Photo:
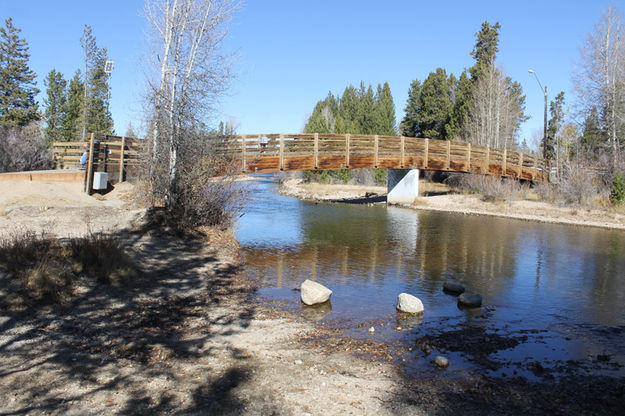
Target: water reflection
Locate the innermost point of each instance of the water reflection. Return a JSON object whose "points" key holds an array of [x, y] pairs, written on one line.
{"points": [[531, 275]]}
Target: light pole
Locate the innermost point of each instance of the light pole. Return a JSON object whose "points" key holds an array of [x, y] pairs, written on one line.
{"points": [[531, 71], [108, 69]]}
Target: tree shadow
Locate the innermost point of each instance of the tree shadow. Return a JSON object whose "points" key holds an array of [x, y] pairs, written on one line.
{"points": [[111, 340]]}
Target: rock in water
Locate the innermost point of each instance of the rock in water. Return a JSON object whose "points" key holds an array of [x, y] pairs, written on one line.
{"points": [[409, 304], [441, 361], [314, 293], [470, 300], [453, 288]]}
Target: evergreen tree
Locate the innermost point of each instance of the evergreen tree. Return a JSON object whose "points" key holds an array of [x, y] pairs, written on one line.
{"points": [[485, 49], [556, 108], [98, 118], [55, 104], [461, 108], [409, 126], [323, 118], [593, 133], [17, 80], [385, 111], [73, 113], [348, 110], [365, 123], [435, 104]]}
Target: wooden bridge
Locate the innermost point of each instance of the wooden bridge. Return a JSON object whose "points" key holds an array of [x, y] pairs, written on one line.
{"points": [[261, 153]]}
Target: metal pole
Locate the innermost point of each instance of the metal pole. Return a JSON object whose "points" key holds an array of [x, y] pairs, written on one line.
{"points": [[531, 71]]}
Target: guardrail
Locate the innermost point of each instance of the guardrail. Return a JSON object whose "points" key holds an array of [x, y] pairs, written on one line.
{"points": [[261, 153]]}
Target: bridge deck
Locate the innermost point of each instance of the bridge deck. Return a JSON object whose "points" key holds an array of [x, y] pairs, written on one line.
{"points": [[293, 152]]}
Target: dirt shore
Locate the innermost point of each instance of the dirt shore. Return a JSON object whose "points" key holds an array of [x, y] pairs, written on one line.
{"points": [[192, 337], [439, 197]]}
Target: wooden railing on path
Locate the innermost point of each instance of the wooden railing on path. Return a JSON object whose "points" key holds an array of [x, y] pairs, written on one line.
{"points": [[111, 154], [262, 153]]}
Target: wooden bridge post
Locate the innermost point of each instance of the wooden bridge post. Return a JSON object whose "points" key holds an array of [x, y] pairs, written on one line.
{"points": [[347, 137], [402, 144], [426, 156], [243, 152], [520, 172], [469, 157], [487, 159], [121, 160], [89, 171], [447, 164], [281, 151], [316, 150], [376, 139], [505, 162]]}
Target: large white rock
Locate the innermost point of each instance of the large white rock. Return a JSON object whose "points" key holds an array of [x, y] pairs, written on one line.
{"points": [[409, 304], [313, 292]]}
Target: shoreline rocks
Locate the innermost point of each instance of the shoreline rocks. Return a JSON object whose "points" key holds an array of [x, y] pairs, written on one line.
{"points": [[441, 361], [453, 288], [409, 304], [313, 293], [469, 300]]}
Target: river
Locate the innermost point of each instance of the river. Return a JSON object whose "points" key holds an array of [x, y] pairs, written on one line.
{"points": [[554, 295]]}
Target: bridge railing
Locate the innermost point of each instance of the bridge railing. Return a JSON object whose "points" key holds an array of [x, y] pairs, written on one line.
{"points": [[287, 152]]}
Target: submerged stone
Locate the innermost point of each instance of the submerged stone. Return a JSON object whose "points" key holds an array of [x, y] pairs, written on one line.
{"points": [[470, 300], [313, 293], [453, 288], [441, 361], [409, 304]]}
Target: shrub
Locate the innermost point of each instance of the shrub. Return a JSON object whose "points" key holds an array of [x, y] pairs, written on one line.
{"points": [[40, 269], [103, 258], [618, 189], [24, 148], [491, 188]]}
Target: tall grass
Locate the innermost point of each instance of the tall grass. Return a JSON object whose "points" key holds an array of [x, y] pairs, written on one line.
{"points": [[40, 269]]}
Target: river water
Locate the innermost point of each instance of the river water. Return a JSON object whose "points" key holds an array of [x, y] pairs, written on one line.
{"points": [[557, 291]]}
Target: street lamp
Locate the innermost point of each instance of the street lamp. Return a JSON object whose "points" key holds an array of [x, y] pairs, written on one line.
{"points": [[531, 71]]}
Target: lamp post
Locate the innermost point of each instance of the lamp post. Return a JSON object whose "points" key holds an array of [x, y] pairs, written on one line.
{"points": [[531, 71], [108, 69]]}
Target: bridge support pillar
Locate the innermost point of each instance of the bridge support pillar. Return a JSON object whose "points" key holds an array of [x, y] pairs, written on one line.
{"points": [[403, 186]]}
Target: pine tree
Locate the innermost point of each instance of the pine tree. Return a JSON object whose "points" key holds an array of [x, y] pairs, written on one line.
{"points": [[98, 117], [385, 111], [348, 110], [461, 108], [409, 126], [556, 108], [485, 49], [366, 119], [17, 80], [593, 133], [73, 113], [435, 105], [323, 118], [55, 104]]}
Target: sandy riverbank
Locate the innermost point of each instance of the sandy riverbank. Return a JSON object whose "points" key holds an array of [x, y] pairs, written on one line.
{"points": [[439, 197], [191, 339]]}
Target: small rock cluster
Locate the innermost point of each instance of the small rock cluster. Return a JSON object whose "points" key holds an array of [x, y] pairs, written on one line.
{"points": [[313, 293]]}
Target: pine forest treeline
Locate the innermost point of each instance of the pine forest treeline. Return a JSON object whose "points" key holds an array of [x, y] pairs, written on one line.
{"points": [[71, 108]]}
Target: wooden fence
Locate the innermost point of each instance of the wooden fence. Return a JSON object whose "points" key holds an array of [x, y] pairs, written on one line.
{"points": [[289, 152], [112, 154]]}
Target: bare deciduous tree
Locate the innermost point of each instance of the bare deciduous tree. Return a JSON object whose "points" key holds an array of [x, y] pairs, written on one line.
{"points": [[600, 76], [191, 74], [497, 110]]}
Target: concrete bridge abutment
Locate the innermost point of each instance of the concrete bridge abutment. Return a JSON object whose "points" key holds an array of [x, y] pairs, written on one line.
{"points": [[403, 186]]}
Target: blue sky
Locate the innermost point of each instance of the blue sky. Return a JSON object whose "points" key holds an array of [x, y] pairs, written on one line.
{"points": [[291, 53]]}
